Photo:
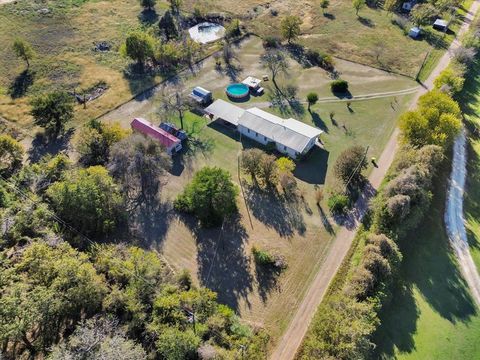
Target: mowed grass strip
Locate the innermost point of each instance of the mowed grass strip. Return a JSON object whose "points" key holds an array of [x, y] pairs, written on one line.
{"points": [[470, 101], [432, 315]]}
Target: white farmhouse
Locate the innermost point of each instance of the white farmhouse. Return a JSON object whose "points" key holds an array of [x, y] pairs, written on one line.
{"points": [[291, 137]]}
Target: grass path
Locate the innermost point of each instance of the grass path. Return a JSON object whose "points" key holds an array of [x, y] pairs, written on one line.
{"points": [[454, 220]]}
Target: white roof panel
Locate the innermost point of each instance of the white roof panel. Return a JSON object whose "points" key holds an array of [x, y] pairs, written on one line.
{"points": [[225, 111], [289, 132]]}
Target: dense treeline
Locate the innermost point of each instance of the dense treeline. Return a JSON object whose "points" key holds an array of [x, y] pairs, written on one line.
{"points": [[347, 318], [68, 291]]}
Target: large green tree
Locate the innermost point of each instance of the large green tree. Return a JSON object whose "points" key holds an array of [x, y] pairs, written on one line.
{"points": [[437, 120], [95, 140], [139, 46], [11, 155], [45, 290], [89, 200], [341, 330], [140, 165], [52, 111], [210, 196], [290, 27], [349, 165]]}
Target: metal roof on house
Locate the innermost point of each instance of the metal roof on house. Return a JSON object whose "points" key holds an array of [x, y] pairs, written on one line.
{"points": [[289, 132], [225, 111], [147, 128]]}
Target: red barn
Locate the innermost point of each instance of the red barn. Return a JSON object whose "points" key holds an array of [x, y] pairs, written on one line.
{"points": [[170, 142]]}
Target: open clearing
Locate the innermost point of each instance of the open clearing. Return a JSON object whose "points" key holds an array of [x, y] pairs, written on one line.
{"points": [[294, 228]]}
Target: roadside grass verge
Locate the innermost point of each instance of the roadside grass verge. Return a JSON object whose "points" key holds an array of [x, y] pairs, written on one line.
{"points": [[431, 315], [470, 101]]}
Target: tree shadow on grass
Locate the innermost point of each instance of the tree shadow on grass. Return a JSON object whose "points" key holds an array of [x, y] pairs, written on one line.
{"points": [[223, 265], [313, 168], [267, 278], [472, 194], [42, 146], [148, 16], [193, 147], [317, 120], [21, 84], [366, 22], [275, 211], [430, 266], [150, 222]]}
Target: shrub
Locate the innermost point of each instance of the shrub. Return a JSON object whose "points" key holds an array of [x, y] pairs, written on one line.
{"points": [[349, 165], [338, 203], [271, 42], [362, 284], [262, 257], [233, 29], [339, 86], [210, 196]]}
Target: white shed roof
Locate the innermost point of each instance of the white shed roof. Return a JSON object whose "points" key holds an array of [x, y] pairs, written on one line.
{"points": [[289, 132], [441, 23], [252, 82], [225, 111]]}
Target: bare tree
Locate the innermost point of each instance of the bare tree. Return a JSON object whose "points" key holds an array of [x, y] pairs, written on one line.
{"points": [[276, 62], [176, 104]]}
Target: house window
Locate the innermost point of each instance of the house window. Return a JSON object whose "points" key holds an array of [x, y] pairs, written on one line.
{"points": [[248, 130], [285, 148], [256, 134], [265, 138]]}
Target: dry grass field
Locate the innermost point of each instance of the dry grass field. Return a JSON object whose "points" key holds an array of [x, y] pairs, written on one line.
{"points": [[62, 33]]}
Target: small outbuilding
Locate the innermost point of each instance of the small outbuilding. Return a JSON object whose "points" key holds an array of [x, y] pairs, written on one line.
{"points": [[414, 32], [171, 143], [441, 25], [201, 95], [254, 85]]}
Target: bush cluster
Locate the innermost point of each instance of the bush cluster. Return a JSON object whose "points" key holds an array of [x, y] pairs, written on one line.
{"points": [[339, 86]]}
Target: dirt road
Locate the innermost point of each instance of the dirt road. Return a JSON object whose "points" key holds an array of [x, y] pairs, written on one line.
{"points": [[293, 336], [454, 220]]}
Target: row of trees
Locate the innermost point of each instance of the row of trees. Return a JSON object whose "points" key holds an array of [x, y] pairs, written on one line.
{"points": [[268, 171]]}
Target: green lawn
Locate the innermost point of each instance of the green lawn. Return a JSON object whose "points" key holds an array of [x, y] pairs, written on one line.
{"points": [[432, 315], [367, 123]]}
